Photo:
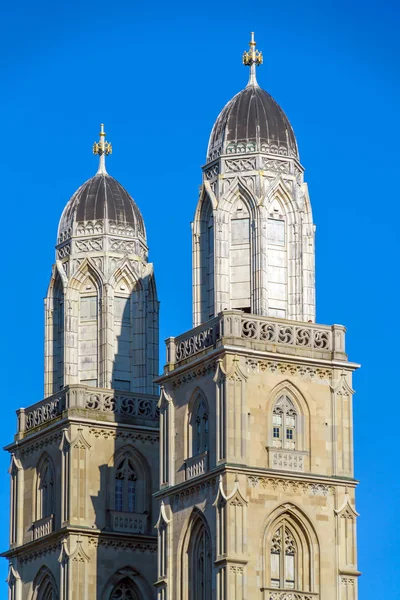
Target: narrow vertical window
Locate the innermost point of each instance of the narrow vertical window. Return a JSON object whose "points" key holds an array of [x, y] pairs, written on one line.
{"points": [[14, 503], [45, 490], [284, 419], [200, 563], [88, 340], [240, 258], [200, 429], [125, 487], [283, 559]]}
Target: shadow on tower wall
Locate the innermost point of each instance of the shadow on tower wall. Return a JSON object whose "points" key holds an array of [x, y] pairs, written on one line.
{"points": [[128, 438]]}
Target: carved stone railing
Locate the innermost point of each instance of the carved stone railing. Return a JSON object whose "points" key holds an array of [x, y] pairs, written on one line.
{"points": [[128, 522], [304, 336], [106, 402], [196, 340], [261, 333], [43, 527], [196, 465], [274, 594], [287, 460]]}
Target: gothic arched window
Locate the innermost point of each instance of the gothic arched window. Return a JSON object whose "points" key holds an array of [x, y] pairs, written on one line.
{"points": [[124, 590], [284, 418], [200, 563], [45, 489], [125, 487], [284, 559], [199, 424], [44, 586]]}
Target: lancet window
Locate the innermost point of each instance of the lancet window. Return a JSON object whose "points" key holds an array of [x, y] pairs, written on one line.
{"points": [[240, 258], [88, 339], [284, 557], [199, 424], [277, 261], [45, 490], [125, 487], [206, 262], [124, 590], [284, 422], [45, 586], [200, 563]]}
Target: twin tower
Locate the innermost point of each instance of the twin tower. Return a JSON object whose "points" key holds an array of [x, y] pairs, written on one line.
{"points": [[230, 476]]}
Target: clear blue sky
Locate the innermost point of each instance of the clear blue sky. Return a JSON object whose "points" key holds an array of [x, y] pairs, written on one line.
{"points": [[158, 73]]}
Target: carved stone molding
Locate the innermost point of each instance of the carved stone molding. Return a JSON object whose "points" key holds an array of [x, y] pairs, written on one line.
{"points": [[130, 545], [90, 245], [152, 438], [90, 227], [312, 489], [42, 443], [40, 552], [282, 166], [64, 251], [212, 172], [241, 164], [257, 366], [236, 569], [194, 489], [190, 375]]}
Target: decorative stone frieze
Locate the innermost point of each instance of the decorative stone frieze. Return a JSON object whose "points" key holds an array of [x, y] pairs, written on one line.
{"points": [[315, 489], [259, 366]]}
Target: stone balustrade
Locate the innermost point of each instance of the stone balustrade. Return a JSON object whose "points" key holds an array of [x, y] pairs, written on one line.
{"points": [[235, 327], [43, 527], [106, 401], [125, 522], [196, 465]]}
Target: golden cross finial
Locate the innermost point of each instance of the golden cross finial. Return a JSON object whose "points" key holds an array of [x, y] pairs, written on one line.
{"points": [[102, 148], [252, 58]]}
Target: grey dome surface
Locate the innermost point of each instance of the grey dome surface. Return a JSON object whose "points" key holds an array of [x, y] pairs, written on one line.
{"points": [[102, 198], [252, 121]]}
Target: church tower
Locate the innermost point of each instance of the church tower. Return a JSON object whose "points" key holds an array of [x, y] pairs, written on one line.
{"points": [[84, 461], [257, 488]]}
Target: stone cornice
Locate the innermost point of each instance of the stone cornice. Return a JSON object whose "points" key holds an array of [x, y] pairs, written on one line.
{"points": [[95, 537], [210, 478], [214, 354], [52, 431]]}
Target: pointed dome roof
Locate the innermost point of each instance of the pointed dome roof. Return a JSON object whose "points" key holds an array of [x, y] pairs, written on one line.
{"points": [[102, 197], [252, 121]]}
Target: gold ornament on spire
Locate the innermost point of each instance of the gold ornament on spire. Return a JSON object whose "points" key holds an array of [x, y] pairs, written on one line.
{"points": [[102, 148], [253, 56]]}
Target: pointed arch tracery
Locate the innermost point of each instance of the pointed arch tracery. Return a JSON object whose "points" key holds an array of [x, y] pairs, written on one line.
{"points": [[198, 424], [291, 552], [44, 586], [129, 485], [288, 419], [45, 488], [125, 590], [127, 584], [197, 559]]}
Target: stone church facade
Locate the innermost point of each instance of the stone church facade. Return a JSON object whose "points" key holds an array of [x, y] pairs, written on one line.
{"points": [[230, 476]]}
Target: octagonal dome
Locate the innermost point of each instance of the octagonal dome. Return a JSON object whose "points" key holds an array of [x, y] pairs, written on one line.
{"points": [[102, 198], [252, 121]]}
